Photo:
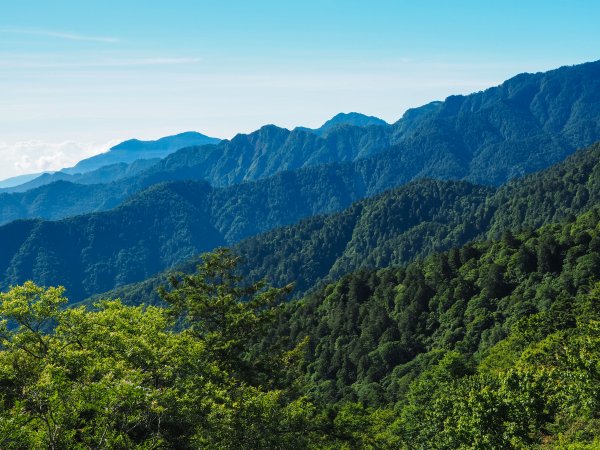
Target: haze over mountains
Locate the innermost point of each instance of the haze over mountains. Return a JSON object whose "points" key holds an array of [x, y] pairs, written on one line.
{"points": [[524, 125], [273, 177], [436, 282], [114, 163]]}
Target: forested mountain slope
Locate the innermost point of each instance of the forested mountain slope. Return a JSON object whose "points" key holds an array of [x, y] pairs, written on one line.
{"points": [[271, 149], [495, 342], [265, 152], [438, 314], [379, 235], [526, 124], [410, 222], [161, 226], [493, 345]]}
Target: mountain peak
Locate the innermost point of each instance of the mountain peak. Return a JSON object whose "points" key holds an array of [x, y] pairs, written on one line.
{"points": [[134, 149], [351, 118], [187, 137], [341, 119]]}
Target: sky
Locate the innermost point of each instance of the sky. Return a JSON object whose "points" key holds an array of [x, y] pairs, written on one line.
{"points": [[79, 76]]}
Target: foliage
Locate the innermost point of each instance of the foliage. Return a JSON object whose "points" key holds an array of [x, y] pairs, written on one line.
{"points": [[493, 345], [408, 223], [127, 377], [524, 125]]}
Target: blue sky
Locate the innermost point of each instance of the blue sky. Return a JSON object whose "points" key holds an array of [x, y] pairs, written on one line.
{"points": [[77, 76]]}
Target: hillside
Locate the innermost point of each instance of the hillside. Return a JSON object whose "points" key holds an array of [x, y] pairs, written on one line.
{"points": [[492, 345], [261, 154], [465, 346], [161, 226], [409, 222], [524, 125]]}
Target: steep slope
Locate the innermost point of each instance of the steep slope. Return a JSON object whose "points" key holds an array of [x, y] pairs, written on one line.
{"points": [[377, 237], [480, 344], [446, 301], [258, 155], [132, 242], [395, 227], [271, 149], [174, 217], [524, 125], [495, 345], [410, 222]]}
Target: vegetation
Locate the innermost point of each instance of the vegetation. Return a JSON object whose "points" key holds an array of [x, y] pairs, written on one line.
{"points": [[494, 345], [148, 377], [408, 223], [436, 315], [262, 154], [524, 125]]}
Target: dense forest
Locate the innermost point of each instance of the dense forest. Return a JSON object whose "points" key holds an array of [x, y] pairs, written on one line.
{"points": [[404, 224], [428, 284], [492, 345], [556, 107]]}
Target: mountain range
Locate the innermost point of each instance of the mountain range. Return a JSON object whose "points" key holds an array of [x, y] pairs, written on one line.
{"points": [[431, 283], [404, 224], [121, 161], [526, 124], [320, 175]]}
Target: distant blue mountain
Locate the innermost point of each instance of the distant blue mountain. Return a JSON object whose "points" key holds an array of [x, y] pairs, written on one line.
{"points": [[18, 180], [134, 149], [103, 175], [123, 160]]}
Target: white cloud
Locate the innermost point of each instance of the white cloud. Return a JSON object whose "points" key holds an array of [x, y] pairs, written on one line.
{"points": [[59, 35], [37, 156]]}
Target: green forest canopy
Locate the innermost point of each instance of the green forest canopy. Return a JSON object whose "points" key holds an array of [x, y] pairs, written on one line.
{"points": [[494, 345]]}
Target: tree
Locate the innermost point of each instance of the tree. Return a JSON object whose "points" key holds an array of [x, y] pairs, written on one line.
{"points": [[123, 377], [230, 317]]}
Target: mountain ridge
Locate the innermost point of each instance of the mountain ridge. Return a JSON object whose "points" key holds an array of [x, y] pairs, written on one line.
{"points": [[372, 233], [134, 149], [523, 125]]}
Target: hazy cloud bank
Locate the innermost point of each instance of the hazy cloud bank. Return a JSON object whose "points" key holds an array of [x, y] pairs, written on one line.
{"points": [[37, 156]]}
